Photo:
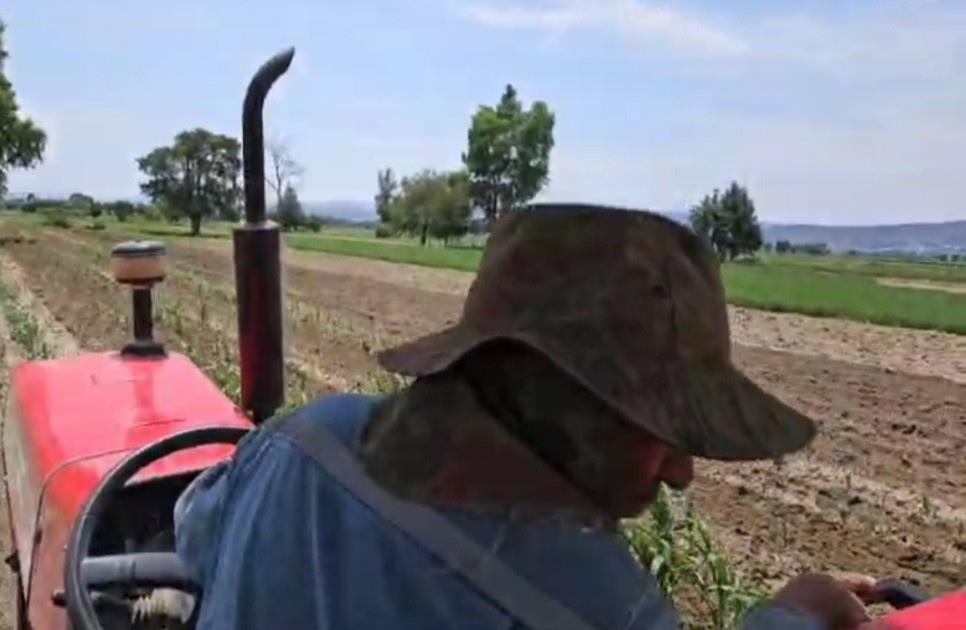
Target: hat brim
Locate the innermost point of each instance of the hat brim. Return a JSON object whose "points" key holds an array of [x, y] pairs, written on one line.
{"points": [[709, 411]]}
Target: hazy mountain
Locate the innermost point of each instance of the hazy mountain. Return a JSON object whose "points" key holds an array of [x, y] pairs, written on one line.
{"points": [[356, 211], [915, 238]]}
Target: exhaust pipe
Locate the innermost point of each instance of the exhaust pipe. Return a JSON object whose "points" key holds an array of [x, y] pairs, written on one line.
{"points": [[258, 263]]}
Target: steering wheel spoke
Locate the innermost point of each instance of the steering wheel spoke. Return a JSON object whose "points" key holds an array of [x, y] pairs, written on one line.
{"points": [[137, 570]]}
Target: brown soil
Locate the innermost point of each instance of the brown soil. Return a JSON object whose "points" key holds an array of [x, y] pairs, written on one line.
{"points": [[880, 491]]}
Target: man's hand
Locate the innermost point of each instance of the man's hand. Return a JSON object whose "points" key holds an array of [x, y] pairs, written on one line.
{"points": [[837, 602]]}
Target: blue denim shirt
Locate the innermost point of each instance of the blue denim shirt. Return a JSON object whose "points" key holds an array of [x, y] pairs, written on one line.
{"points": [[276, 542]]}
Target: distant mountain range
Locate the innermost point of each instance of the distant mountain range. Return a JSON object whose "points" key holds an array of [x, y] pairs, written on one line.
{"points": [[354, 211], [912, 238], [915, 238]]}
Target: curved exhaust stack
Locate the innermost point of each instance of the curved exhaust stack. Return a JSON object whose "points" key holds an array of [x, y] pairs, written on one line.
{"points": [[257, 262]]}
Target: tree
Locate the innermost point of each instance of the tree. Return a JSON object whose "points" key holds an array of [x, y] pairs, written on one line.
{"points": [[197, 176], [707, 221], [452, 212], [432, 204], [80, 202], [30, 204], [739, 212], [289, 210], [388, 187], [313, 223], [508, 154], [728, 222], [22, 143], [121, 209], [284, 168]]}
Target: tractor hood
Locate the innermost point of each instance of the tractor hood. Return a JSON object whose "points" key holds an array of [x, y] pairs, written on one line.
{"points": [[79, 416], [69, 421]]}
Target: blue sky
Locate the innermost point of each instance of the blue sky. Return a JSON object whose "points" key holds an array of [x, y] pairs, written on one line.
{"points": [[830, 112]]}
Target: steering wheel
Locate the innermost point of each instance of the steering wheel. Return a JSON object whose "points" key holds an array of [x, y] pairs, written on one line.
{"points": [[81, 573]]}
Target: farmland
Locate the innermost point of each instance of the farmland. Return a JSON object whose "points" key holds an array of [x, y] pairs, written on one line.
{"points": [[879, 492]]}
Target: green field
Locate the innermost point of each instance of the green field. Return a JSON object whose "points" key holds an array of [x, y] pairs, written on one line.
{"points": [[833, 287], [828, 286], [873, 266], [853, 296]]}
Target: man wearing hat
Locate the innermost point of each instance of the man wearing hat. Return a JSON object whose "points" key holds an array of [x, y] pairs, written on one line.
{"points": [[591, 364]]}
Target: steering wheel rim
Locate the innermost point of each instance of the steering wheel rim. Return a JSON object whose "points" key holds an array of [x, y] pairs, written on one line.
{"points": [[80, 607]]}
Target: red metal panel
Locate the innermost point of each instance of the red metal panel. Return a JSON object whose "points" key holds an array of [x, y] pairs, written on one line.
{"points": [[943, 613], [23, 484], [80, 415]]}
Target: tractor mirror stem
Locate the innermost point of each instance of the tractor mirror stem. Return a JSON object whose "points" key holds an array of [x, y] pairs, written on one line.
{"points": [[257, 248]]}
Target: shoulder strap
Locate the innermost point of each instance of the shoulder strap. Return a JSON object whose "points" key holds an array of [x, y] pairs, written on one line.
{"points": [[437, 535]]}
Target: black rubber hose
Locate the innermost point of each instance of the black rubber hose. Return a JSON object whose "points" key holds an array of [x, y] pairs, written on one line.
{"points": [[80, 608]]}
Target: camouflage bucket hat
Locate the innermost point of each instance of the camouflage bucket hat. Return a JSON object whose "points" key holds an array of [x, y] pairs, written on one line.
{"points": [[631, 305]]}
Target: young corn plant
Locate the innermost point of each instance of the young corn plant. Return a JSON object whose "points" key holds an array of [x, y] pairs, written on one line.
{"points": [[652, 542], [380, 382], [726, 596], [24, 328], [674, 543]]}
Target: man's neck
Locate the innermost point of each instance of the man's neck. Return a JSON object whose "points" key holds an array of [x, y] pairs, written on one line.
{"points": [[434, 444]]}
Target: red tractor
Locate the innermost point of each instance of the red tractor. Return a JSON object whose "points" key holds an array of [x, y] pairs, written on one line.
{"points": [[97, 448]]}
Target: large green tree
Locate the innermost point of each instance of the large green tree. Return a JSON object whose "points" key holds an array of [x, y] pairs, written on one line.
{"points": [[432, 204], [22, 143], [196, 176], [728, 222], [508, 154]]}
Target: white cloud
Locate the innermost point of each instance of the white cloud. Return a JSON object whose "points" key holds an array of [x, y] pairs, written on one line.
{"points": [[553, 18], [924, 40], [640, 24]]}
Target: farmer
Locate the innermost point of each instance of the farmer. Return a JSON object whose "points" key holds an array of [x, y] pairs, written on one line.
{"points": [[590, 365]]}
